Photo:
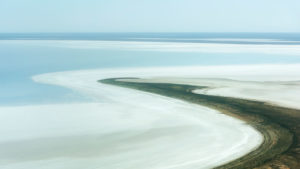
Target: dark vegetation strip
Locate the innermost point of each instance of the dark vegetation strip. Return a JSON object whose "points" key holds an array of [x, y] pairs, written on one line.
{"points": [[279, 125]]}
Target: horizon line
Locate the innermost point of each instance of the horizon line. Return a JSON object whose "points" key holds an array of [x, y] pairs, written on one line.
{"points": [[135, 32]]}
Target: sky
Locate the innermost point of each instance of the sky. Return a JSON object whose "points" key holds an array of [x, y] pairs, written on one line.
{"points": [[149, 16]]}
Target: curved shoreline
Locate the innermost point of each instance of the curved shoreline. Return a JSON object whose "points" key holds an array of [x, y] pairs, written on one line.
{"points": [[278, 125]]}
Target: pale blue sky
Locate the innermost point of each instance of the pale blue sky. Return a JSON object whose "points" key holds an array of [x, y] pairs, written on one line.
{"points": [[149, 16]]}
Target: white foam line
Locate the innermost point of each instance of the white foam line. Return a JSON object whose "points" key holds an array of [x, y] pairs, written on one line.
{"points": [[221, 39], [169, 46]]}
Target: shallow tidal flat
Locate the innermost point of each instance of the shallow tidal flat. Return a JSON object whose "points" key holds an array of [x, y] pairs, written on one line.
{"points": [[120, 128], [132, 129], [279, 125]]}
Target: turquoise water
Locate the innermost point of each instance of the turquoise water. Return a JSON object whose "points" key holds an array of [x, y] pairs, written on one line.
{"points": [[20, 60]]}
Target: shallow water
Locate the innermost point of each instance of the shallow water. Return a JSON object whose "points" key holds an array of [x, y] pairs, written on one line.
{"points": [[21, 59]]}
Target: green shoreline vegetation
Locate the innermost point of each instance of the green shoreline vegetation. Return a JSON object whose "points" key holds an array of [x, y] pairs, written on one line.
{"points": [[279, 125]]}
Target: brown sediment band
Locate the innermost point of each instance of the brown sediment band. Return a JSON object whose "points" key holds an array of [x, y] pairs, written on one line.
{"points": [[279, 126]]}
